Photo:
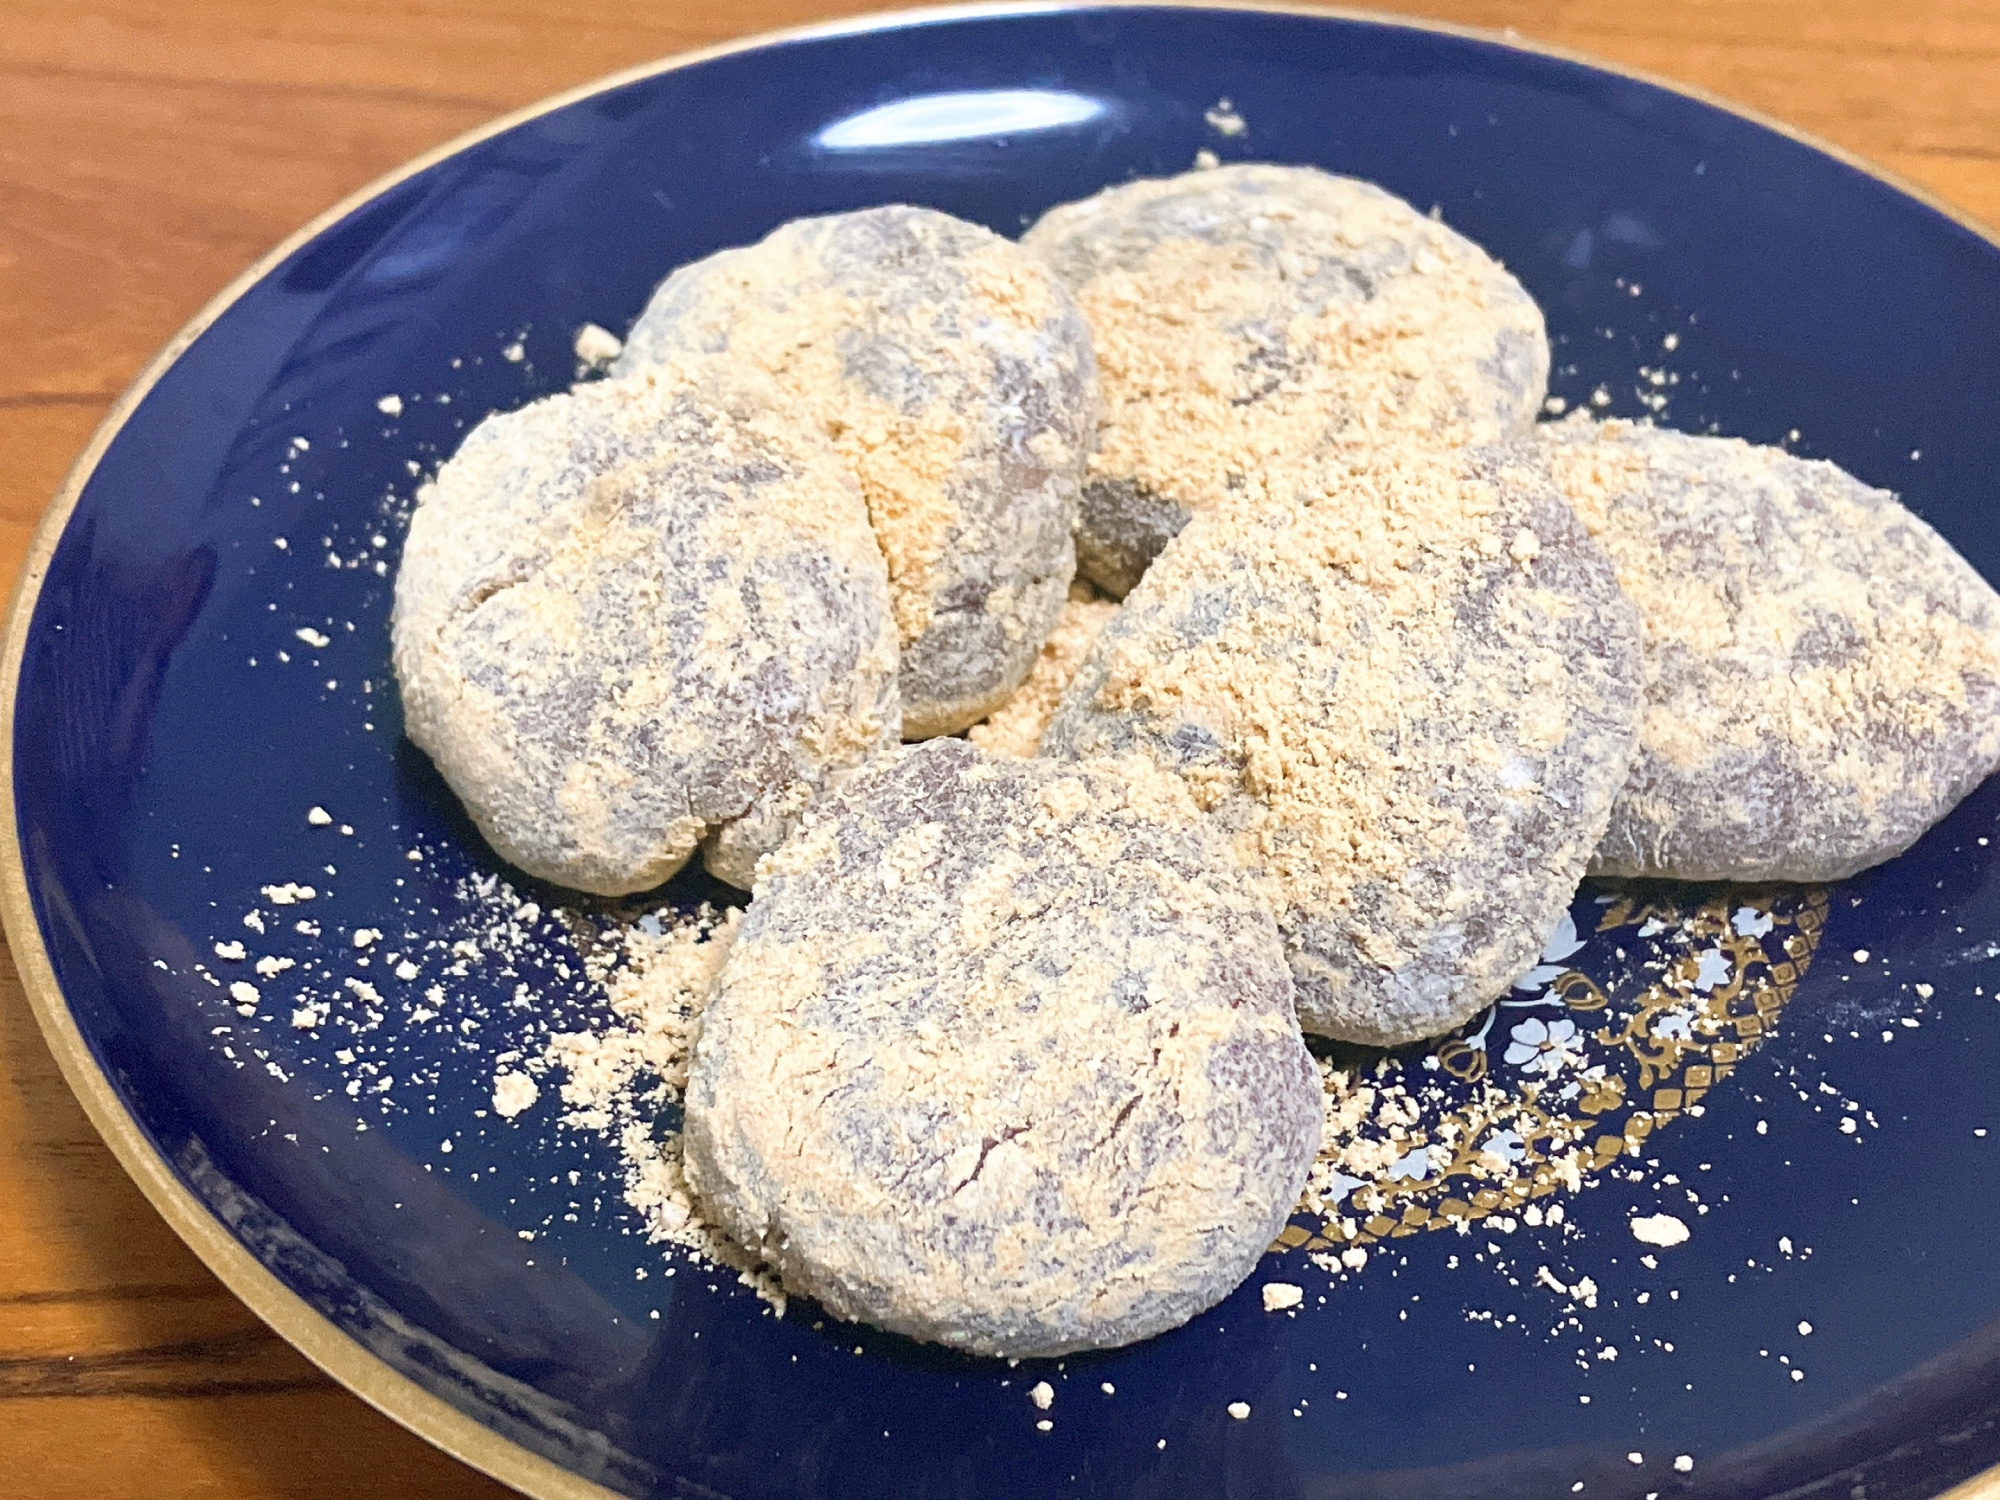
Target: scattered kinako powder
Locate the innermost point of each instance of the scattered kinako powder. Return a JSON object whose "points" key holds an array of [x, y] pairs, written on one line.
{"points": [[1385, 1127], [620, 1077], [617, 1080]]}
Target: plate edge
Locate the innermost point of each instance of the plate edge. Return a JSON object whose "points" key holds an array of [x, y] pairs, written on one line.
{"points": [[336, 1354]]}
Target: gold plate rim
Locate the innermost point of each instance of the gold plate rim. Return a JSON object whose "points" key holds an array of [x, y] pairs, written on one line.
{"points": [[334, 1352]]}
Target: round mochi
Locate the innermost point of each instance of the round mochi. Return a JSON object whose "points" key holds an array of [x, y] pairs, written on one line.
{"points": [[1407, 696], [1003, 1058], [1822, 669], [641, 617], [954, 376], [1247, 316]]}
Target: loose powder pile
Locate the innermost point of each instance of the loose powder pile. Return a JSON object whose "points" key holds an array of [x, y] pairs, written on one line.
{"points": [[619, 1080], [1015, 728]]}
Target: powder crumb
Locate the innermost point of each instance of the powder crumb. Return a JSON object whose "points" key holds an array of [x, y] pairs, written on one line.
{"points": [[365, 937], [244, 993], [319, 817], [1279, 1295], [513, 1092], [234, 952], [271, 965], [390, 405], [596, 347], [1045, 1425], [288, 894], [1224, 120], [1683, 1464], [1924, 991], [514, 353], [1042, 1394], [406, 971], [1206, 160], [1240, 1410], [1663, 1230], [1861, 955], [313, 638]]}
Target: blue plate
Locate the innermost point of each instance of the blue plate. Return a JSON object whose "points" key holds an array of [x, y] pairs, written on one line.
{"points": [[200, 656]]}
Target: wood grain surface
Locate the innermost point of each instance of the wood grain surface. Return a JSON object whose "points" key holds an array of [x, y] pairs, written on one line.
{"points": [[149, 150]]}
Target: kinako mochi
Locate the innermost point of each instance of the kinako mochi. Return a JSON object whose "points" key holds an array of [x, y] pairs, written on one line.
{"points": [[1005, 1052], [1406, 690], [954, 376], [643, 617], [1822, 669], [1003, 1058], [1248, 316]]}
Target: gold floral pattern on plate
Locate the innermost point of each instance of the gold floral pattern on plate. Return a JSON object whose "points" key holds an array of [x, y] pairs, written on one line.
{"points": [[1616, 1034]]}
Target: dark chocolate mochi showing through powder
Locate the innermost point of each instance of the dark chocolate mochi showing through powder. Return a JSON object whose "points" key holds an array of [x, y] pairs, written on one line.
{"points": [[1247, 316], [1003, 1058], [954, 376], [1407, 695], [1823, 669], [641, 617]]}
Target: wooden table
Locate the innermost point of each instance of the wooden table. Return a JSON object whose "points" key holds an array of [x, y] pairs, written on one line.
{"points": [[148, 153]]}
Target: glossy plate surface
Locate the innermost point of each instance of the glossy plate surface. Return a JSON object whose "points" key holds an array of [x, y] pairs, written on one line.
{"points": [[203, 658]]}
